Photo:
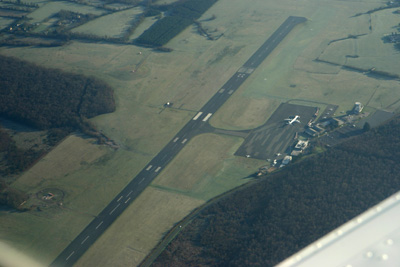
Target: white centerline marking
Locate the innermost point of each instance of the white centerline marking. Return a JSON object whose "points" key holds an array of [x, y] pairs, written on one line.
{"points": [[176, 139], [85, 240], [70, 255], [184, 141], [127, 200], [99, 224], [141, 181], [158, 169], [115, 208], [197, 116], [207, 117], [119, 198], [129, 194], [148, 168]]}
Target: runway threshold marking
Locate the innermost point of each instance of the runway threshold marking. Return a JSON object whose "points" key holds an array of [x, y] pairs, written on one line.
{"points": [[176, 139], [184, 141], [127, 200], [207, 117], [230, 92], [158, 169], [115, 208], [99, 224], [72, 253], [197, 116], [221, 91], [85, 240], [148, 168]]}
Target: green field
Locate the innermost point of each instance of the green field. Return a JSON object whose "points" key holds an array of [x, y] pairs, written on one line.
{"points": [[207, 168], [91, 175], [132, 236], [372, 52], [4, 22], [50, 8], [112, 25], [188, 181], [83, 198], [146, 23]]}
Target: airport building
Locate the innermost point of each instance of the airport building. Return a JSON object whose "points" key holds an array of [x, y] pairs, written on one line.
{"points": [[314, 130], [286, 160], [299, 148], [358, 107]]}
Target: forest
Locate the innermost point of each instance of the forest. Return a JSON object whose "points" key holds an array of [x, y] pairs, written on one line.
{"points": [[13, 159], [12, 198], [271, 219], [48, 98], [182, 15]]}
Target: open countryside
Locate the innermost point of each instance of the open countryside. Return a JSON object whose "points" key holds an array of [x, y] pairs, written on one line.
{"points": [[307, 68]]}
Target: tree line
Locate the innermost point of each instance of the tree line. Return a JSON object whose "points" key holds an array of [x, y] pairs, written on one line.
{"points": [[183, 14], [12, 158], [270, 220], [12, 198]]}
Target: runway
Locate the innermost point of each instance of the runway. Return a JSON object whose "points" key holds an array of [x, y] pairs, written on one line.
{"points": [[197, 125]]}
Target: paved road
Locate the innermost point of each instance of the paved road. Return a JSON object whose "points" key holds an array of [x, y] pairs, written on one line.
{"points": [[198, 124]]}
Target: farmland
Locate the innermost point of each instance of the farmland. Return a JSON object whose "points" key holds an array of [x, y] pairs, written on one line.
{"points": [[91, 175], [112, 25], [51, 8]]}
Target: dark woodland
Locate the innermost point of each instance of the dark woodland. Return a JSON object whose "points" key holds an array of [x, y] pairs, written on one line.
{"points": [[268, 221], [183, 14], [49, 98]]}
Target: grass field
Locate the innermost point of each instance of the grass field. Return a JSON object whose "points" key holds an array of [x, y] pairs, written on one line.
{"points": [[372, 52], [144, 25], [87, 175], [196, 69], [4, 22], [164, 2], [171, 197], [51, 8], [112, 25], [207, 167], [139, 228], [248, 113]]}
